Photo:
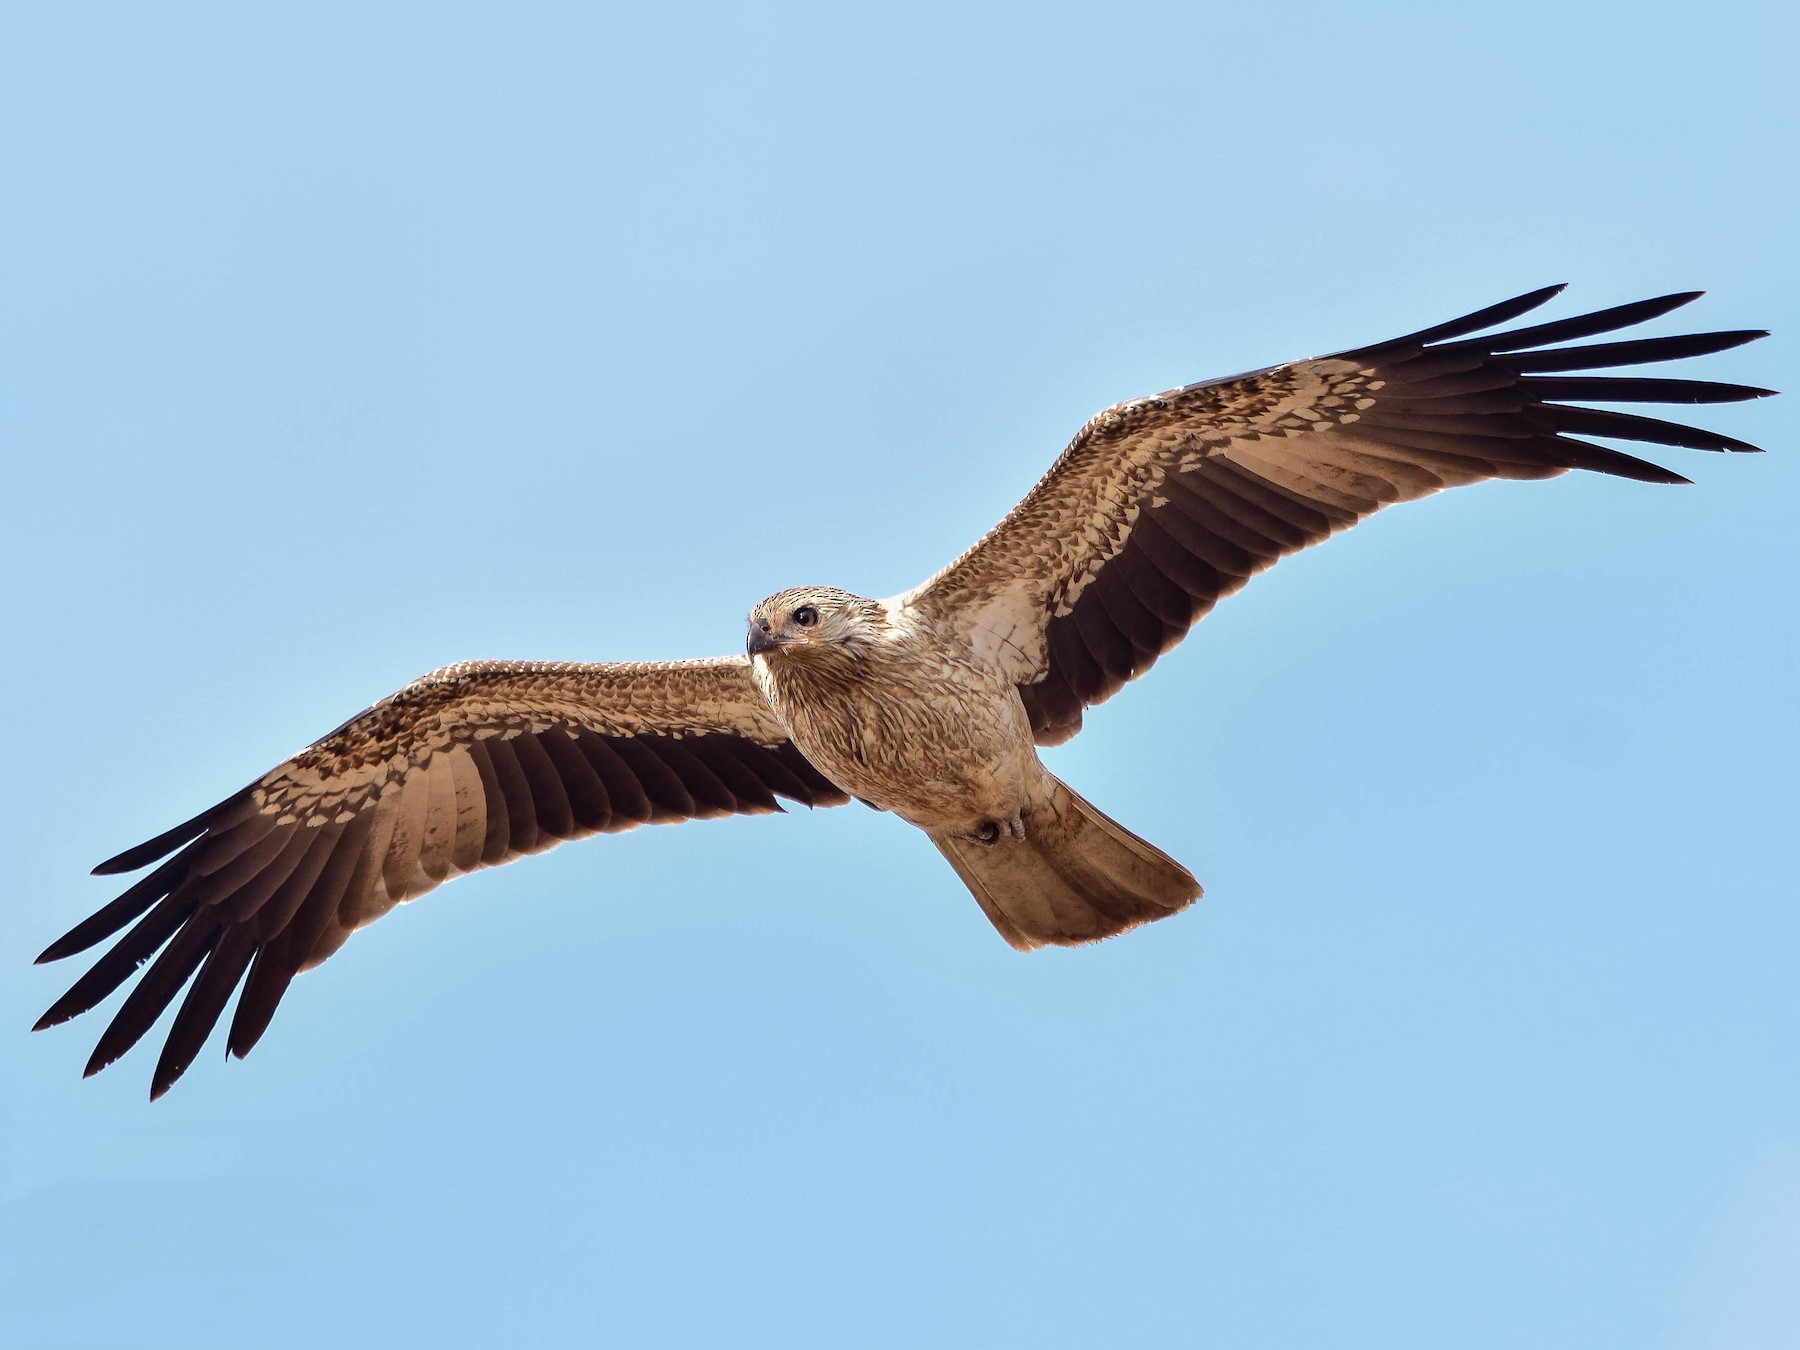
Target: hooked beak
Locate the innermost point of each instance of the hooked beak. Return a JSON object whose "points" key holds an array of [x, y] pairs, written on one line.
{"points": [[763, 638]]}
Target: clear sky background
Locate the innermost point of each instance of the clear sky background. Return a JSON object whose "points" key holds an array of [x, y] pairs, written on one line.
{"points": [[342, 342]]}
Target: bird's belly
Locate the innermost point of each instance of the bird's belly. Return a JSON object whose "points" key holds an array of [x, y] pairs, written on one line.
{"points": [[942, 762]]}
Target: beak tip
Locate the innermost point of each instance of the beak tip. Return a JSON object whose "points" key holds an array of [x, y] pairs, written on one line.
{"points": [[760, 640]]}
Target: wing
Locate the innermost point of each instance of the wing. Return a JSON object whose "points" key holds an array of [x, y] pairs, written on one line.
{"points": [[470, 767], [1160, 506]]}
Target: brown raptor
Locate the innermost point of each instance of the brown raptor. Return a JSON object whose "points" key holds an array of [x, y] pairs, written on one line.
{"points": [[930, 704]]}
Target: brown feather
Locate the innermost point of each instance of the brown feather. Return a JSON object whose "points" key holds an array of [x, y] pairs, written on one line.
{"points": [[1203, 486], [468, 767]]}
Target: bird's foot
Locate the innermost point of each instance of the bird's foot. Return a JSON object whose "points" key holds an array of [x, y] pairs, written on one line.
{"points": [[993, 831]]}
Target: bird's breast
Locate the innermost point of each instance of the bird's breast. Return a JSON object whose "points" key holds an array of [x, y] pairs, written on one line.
{"points": [[938, 743]]}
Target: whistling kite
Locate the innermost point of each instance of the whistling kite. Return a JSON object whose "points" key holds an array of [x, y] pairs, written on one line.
{"points": [[929, 704]]}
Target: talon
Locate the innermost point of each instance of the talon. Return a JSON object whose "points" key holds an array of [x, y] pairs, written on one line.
{"points": [[988, 832]]}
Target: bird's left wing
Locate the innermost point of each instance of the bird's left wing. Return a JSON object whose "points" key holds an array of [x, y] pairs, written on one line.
{"points": [[1163, 505], [469, 767]]}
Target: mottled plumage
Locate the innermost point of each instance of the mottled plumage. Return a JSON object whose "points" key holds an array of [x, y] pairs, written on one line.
{"points": [[929, 704], [891, 713]]}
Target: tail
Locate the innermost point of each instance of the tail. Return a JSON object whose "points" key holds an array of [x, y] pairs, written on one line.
{"points": [[1077, 876]]}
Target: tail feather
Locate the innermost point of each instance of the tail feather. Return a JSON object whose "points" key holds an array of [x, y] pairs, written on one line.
{"points": [[1077, 876]]}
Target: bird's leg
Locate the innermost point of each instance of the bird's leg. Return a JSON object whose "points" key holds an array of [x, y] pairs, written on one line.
{"points": [[991, 831]]}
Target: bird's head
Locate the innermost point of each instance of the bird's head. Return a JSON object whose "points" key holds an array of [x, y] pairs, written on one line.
{"points": [[814, 623]]}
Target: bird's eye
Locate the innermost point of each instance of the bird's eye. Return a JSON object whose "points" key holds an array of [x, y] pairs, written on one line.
{"points": [[806, 616]]}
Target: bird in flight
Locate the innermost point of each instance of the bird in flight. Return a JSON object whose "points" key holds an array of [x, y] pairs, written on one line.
{"points": [[930, 704]]}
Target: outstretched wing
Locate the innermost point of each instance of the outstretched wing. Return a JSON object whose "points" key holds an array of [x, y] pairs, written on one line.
{"points": [[1162, 505], [469, 767]]}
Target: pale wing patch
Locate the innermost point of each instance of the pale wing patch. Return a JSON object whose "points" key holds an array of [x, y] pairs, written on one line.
{"points": [[1007, 631]]}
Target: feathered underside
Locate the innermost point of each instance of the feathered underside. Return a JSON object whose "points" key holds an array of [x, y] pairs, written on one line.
{"points": [[1161, 506], [470, 767]]}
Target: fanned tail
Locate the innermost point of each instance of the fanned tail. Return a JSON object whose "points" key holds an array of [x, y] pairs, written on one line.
{"points": [[1077, 876]]}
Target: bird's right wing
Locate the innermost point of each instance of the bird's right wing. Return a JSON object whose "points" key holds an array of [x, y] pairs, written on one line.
{"points": [[469, 767]]}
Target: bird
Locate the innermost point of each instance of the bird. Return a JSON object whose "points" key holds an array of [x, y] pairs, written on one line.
{"points": [[931, 704]]}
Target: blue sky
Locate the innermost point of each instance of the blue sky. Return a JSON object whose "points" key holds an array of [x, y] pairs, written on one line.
{"points": [[343, 343]]}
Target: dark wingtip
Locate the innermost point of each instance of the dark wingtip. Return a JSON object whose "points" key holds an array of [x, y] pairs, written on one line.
{"points": [[1611, 319], [1541, 296], [168, 841], [65, 1009], [142, 855], [110, 918], [1504, 312], [65, 946], [1657, 305], [1666, 304], [170, 1065], [1736, 337]]}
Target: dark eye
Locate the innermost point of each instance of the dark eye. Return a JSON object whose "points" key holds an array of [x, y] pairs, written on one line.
{"points": [[806, 616]]}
